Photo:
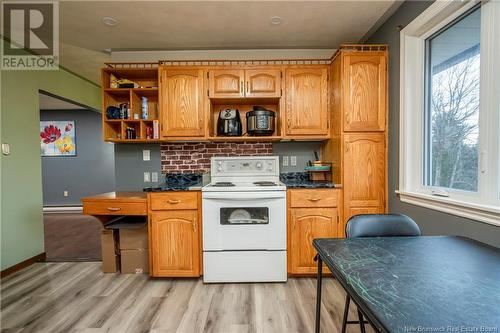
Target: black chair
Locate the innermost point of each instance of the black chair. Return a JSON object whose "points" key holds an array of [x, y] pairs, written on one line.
{"points": [[376, 225]]}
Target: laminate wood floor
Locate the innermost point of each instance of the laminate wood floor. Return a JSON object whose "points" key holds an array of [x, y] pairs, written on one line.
{"points": [[72, 237], [78, 297]]}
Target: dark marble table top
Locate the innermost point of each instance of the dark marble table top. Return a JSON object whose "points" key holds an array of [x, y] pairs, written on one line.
{"points": [[419, 284]]}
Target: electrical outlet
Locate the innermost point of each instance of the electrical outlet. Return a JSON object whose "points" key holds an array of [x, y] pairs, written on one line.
{"points": [[293, 160], [285, 161], [146, 155], [147, 177], [65, 193], [154, 177]]}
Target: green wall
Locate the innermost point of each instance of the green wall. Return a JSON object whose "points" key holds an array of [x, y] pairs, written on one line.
{"points": [[21, 223]]}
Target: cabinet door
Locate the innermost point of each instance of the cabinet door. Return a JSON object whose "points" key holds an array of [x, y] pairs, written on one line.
{"points": [[263, 83], [365, 92], [306, 102], [307, 224], [364, 174], [226, 83], [175, 243], [182, 101]]}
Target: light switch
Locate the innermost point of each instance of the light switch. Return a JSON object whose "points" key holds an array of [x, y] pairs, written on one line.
{"points": [[154, 177], [147, 177], [65, 193], [146, 155], [293, 160], [285, 161], [5, 148]]}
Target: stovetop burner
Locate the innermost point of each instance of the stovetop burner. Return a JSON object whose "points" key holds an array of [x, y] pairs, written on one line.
{"points": [[223, 184], [265, 183]]}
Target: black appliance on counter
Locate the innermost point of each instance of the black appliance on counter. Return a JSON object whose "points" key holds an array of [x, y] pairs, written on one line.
{"points": [[229, 123], [260, 121]]}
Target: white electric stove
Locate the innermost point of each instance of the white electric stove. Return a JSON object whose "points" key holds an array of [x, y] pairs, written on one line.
{"points": [[244, 221]]}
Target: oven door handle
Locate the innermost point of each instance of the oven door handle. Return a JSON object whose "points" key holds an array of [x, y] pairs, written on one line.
{"points": [[243, 195]]}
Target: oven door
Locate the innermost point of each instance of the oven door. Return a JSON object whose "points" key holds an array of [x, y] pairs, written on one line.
{"points": [[244, 221]]}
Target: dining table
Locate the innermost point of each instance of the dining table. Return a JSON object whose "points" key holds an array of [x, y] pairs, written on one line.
{"points": [[416, 284]]}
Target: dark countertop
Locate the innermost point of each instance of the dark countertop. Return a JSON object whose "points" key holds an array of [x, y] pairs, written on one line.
{"points": [[436, 283], [194, 182], [301, 180], [167, 188], [310, 184], [179, 182]]}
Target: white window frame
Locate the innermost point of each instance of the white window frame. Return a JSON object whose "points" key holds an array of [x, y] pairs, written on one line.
{"points": [[483, 205]]}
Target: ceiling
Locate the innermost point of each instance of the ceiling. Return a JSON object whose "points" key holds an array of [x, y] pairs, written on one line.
{"points": [[51, 103], [216, 25]]}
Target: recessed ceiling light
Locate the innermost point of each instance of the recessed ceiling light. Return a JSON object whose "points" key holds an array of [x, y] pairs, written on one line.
{"points": [[108, 20], [276, 20]]}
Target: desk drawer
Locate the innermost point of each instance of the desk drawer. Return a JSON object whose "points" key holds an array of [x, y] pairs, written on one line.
{"points": [[174, 200], [115, 208], [313, 198]]}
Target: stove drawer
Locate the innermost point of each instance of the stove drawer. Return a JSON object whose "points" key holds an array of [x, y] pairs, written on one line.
{"points": [[173, 200], [309, 198]]}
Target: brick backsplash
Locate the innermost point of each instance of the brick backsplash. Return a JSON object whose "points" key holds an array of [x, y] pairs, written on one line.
{"points": [[195, 156]]}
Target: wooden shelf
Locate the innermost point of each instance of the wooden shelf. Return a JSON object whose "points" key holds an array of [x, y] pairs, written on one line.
{"points": [[134, 140], [244, 138]]}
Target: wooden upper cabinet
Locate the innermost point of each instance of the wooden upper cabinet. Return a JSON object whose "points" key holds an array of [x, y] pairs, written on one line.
{"points": [[306, 102], [263, 83], [226, 83], [175, 243], [307, 224], [364, 173], [365, 92], [182, 103]]}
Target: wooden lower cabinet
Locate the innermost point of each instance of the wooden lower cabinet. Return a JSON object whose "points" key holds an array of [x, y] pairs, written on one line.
{"points": [[306, 224], [175, 237]]}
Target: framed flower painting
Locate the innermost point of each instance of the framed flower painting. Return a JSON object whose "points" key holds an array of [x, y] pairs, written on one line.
{"points": [[57, 138]]}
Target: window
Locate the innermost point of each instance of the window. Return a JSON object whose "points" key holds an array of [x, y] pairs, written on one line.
{"points": [[452, 105], [450, 110]]}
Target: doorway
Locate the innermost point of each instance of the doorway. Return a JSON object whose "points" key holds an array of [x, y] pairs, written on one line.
{"points": [[76, 162]]}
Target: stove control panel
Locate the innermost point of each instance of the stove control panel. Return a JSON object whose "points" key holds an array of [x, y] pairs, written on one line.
{"points": [[245, 166]]}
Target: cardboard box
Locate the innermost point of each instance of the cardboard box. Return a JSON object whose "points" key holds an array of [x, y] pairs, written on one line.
{"points": [[134, 261], [110, 257], [133, 239]]}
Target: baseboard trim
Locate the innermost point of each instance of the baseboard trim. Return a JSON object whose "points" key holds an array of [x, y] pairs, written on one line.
{"points": [[23, 264]]}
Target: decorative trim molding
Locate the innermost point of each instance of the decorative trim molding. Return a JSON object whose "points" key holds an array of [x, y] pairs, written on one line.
{"points": [[244, 62], [229, 62], [131, 65], [22, 264], [482, 213]]}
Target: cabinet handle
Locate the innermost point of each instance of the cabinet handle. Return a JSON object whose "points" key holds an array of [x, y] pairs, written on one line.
{"points": [[248, 87], [314, 199], [114, 209], [241, 87], [194, 226], [173, 202]]}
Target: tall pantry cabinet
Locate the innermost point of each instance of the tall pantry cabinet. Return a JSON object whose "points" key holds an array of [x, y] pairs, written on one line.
{"points": [[357, 147]]}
